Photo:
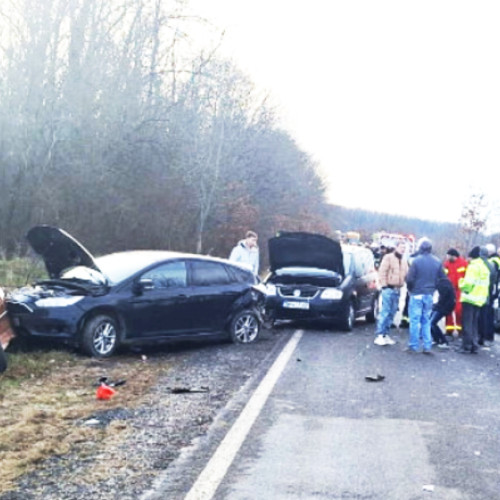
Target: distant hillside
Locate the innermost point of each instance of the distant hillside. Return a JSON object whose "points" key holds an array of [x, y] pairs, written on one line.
{"points": [[443, 234]]}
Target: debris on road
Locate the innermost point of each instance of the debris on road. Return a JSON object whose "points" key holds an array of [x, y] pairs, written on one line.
{"points": [[375, 378], [428, 487], [184, 390]]}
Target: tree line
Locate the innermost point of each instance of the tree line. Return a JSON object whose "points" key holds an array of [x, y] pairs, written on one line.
{"points": [[115, 129]]}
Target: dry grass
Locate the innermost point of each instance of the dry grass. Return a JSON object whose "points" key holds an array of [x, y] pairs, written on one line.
{"points": [[45, 398], [20, 271]]}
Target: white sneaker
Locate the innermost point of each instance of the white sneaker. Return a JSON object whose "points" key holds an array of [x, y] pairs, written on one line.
{"points": [[388, 340], [380, 340]]}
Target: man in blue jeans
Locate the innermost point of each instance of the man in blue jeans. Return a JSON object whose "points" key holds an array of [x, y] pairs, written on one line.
{"points": [[392, 273], [425, 270]]}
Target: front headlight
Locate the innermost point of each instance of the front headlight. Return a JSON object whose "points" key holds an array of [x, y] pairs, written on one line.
{"points": [[270, 290], [58, 301], [331, 294]]}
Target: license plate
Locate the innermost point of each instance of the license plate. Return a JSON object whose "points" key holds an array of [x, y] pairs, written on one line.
{"points": [[296, 305]]}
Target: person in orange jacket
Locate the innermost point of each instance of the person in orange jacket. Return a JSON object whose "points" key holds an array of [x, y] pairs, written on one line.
{"points": [[455, 267]]}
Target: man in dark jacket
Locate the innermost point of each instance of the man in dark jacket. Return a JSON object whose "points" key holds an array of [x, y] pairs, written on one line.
{"points": [[425, 270], [442, 308]]}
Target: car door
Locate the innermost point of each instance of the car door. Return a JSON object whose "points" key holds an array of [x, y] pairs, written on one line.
{"points": [[366, 281], [161, 307], [214, 291]]}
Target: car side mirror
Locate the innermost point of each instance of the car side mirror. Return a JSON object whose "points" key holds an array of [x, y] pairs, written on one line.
{"points": [[142, 285]]}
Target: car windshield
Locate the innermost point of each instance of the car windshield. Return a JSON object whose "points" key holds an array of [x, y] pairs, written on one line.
{"points": [[120, 266], [82, 273]]}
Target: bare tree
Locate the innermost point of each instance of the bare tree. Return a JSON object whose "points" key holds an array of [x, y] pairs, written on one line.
{"points": [[474, 218]]}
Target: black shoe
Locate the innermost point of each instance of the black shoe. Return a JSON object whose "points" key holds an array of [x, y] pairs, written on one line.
{"points": [[427, 351], [463, 351], [409, 350]]}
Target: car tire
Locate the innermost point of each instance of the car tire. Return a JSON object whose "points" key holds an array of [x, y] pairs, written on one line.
{"points": [[244, 328], [100, 337], [3, 360], [372, 315], [347, 323]]}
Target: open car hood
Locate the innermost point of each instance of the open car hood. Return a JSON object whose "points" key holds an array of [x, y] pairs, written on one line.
{"points": [[59, 250], [299, 249]]}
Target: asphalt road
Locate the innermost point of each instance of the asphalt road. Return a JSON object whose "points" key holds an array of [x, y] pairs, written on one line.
{"points": [[429, 429]]}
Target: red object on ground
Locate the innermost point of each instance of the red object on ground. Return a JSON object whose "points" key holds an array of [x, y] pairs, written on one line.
{"points": [[104, 392]]}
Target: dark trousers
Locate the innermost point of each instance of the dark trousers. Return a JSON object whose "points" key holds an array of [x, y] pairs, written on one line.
{"points": [[437, 334], [486, 329], [470, 324]]}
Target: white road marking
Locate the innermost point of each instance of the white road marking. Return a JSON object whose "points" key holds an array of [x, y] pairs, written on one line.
{"points": [[208, 481]]}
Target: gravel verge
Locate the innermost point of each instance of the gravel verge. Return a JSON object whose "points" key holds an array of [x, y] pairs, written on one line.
{"points": [[180, 410]]}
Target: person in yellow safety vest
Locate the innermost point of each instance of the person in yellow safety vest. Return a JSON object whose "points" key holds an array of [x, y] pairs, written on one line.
{"points": [[475, 291], [486, 332]]}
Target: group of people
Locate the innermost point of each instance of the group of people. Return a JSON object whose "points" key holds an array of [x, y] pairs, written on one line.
{"points": [[466, 291]]}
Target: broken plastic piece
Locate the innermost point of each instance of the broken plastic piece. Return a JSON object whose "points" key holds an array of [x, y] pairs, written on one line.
{"points": [[105, 392], [374, 378], [111, 383]]}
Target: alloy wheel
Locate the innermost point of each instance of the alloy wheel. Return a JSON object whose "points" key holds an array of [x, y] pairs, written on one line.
{"points": [[104, 338], [246, 328]]}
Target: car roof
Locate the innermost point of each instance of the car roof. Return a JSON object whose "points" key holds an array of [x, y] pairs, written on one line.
{"points": [[152, 256], [136, 260]]}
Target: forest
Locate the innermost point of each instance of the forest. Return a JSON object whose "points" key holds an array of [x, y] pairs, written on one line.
{"points": [[116, 126]]}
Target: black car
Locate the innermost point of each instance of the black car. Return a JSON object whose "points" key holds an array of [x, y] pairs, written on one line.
{"points": [[314, 277], [133, 297]]}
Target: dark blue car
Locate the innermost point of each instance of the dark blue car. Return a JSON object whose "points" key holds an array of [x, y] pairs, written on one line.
{"points": [[133, 297]]}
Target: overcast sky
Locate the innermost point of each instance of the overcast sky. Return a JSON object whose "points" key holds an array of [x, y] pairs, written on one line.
{"points": [[398, 101]]}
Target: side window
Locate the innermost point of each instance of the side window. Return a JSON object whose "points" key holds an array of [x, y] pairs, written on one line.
{"points": [[347, 262], [369, 263], [209, 273], [169, 275], [358, 265]]}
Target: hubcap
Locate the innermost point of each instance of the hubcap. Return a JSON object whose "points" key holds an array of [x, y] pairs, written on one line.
{"points": [[246, 328], [104, 337]]}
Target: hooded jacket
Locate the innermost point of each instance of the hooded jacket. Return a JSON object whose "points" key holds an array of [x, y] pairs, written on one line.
{"points": [[424, 271], [248, 257]]}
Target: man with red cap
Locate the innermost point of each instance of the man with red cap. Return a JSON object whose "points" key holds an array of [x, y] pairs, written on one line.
{"points": [[455, 267]]}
